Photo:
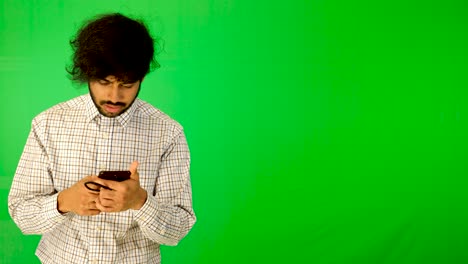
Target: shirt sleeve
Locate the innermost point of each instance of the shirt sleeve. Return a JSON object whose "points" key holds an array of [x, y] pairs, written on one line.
{"points": [[32, 202], [167, 215]]}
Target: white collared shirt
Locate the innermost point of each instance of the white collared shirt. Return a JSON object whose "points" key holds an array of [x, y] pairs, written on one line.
{"points": [[72, 140]]}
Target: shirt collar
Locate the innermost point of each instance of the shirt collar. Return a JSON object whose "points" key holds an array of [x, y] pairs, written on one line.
{"points": [[92, 114]]}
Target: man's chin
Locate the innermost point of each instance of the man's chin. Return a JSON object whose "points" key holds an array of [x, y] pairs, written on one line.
{"points": [[111, 114]]}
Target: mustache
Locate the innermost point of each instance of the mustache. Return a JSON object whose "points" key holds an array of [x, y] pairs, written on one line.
{"points": [[112, 103]]}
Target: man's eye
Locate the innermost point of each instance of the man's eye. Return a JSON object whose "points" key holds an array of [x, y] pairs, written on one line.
{"points": [[127, 85]]}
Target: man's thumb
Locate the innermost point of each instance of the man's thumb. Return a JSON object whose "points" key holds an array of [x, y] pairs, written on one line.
{"points": [[133, 169]]}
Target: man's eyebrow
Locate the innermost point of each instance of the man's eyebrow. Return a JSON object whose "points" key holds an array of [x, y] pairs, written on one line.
{"points": [[122, 82]]}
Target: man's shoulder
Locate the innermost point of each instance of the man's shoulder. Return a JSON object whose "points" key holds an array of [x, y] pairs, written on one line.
{"points": [[62, 109], [154, 115]]}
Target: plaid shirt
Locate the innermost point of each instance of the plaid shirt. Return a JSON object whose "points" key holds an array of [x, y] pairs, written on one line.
{"points": [[72, 140]]}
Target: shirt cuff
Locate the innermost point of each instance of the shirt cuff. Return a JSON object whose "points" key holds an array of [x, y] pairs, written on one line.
{"points": [[50, 211], [146, 213]]}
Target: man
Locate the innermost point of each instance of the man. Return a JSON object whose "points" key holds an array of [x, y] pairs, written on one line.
{"points": [[107, 129]]}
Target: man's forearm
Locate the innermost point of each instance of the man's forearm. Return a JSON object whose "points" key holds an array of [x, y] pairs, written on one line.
{"points": [[164, 224], [36, 215]]}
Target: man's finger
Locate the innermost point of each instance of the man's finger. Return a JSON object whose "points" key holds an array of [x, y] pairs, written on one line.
{"points": [[89, 212], [106, 203], [106, 194], [107, 183], [101, 207]]}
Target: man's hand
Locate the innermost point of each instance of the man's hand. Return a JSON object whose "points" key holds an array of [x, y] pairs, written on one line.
{"points": [[78, 199], [124, 195]]}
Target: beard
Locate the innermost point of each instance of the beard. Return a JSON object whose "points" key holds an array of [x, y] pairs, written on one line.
{"points": [[103, 104]]}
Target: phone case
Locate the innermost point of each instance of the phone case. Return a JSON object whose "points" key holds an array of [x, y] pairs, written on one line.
{"points": [[114, 175]]}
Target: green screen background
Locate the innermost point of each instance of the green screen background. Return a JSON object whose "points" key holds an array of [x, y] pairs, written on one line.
{"points": [[320, 131]]}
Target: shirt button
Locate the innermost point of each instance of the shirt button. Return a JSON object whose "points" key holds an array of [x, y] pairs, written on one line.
{"points": [[98, 228], [95, 261], [105, 135]]}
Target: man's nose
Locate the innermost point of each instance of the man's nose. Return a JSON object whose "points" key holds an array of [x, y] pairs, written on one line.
{"points": [[114, 93]]}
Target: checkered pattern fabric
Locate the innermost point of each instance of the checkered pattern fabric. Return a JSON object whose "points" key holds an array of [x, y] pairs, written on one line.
{"points": [[72, 140]]}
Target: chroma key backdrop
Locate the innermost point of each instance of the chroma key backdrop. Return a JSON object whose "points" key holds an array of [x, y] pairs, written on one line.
{"points": [[320, 131]]}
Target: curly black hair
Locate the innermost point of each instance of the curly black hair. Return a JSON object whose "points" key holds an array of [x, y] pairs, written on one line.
{"points": [[112, 44]]}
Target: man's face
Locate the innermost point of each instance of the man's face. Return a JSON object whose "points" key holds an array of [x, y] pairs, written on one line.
{"points": [[111, 96]]}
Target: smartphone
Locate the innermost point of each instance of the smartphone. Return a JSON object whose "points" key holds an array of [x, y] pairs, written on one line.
{"points": [[114, 175]]}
